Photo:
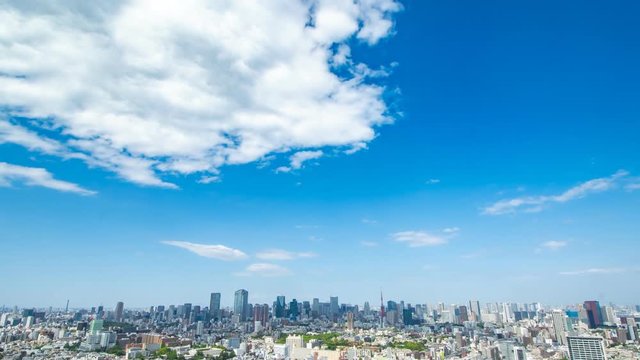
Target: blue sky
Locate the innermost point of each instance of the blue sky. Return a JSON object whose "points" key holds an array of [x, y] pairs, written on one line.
{"points": [[487, 150]]}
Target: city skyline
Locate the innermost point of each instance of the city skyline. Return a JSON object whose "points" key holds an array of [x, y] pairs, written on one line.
{"points": [[436, 151]]}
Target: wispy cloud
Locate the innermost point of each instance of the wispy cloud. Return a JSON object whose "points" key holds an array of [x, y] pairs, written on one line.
{"points": [[432, 181], [632, 187], [303, 226], [420, 238], [554, 244], [279, 254], [369, 221], [219, 252], [537, 203], [10, 174], [210, 179], [594, 271], [451, 230], [298, 159], [265, 270], [369, 243]]}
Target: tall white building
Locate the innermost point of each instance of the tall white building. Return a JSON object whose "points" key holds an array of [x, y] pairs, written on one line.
{"points": [[559, 327], [586, 348]]}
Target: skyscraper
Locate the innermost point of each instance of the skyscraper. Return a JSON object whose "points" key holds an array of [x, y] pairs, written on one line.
{"points": [[594, 313], [280, 310], [334, 307], [559, 327], [293, 310], [474, 306], [241, 304], [119, 311], [315, 308], [586, 348], [214, 306], [261, 313]]}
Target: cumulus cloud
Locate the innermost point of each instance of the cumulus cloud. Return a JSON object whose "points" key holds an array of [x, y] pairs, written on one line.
{"points": [[10, 174], [419, 238], [265, 270], [219, 252], [149, 89], [279, 254], [537, 203], [593, 271]]}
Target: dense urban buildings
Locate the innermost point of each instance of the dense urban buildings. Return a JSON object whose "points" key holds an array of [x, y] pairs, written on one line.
{"points": [[317, 330]]}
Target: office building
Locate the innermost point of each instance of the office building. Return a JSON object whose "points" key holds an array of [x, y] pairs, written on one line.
{"points": [[559, 327], [214, 306], [586, 348], [594, 313], [119, 312], [241, 304]]}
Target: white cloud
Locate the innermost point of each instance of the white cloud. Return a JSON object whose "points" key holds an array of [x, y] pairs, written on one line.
{"points": [[369, 243], [356, 147], [265, 270], [219, 252], [30, 176], [297, 159], [594, 271], [432, 181], [419, 238], [369, 221], [11, 133], [148, 89], [634, 186], [209, 179], [279, 254], [537, 203], [554, 244], [451, 230]]}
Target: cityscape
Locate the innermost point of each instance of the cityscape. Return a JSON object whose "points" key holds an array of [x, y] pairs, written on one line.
{"points": [[326, 330], [319, 179]]}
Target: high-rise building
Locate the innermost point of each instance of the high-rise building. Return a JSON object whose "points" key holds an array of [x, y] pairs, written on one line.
{"points": [[119, 311], [594, 313], [463, 314], [293, 310], [261, 314], [241, 304], [474, 306], [280, 307], [315, 308], [214, 306], [186, 311], [559, 327], [586, 348], [334, 307]]}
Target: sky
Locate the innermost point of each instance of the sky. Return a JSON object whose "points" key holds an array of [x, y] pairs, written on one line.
{"points": [[437, 151]]}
